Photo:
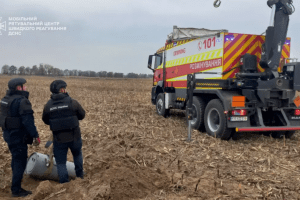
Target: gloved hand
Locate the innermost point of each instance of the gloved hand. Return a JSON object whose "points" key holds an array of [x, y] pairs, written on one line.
{"points": [[36, 141]]}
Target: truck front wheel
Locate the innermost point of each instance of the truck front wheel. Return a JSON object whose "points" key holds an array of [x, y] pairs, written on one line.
{"points": [[160, 105], [215, 120]]}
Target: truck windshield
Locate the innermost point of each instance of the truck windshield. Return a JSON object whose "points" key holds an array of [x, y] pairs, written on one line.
{"points": [[158, 60]]}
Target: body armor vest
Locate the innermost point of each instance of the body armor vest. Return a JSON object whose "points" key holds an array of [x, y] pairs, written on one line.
{"points": [[7, 121], [62, 115]]}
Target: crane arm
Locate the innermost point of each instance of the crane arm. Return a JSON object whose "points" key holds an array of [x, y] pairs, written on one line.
{"points": [[275, 34]]}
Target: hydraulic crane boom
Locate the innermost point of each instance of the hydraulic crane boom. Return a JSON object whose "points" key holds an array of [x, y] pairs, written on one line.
{"points": [[275, 34]]}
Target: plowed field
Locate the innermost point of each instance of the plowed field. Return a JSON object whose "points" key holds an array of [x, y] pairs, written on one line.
{"points": [[132, 153]]}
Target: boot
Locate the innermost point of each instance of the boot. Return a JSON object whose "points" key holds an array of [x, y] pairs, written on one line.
{"points": [[21, 193]]}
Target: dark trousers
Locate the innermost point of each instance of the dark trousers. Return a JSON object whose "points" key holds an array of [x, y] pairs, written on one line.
{"points": [[60, 151], [18, 164]]}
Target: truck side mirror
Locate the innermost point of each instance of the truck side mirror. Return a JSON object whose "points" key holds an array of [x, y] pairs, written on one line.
{"points": [[150, 62]]}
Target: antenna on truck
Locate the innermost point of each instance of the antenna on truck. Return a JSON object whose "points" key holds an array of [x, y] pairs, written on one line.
{"points": [[217, 3]]}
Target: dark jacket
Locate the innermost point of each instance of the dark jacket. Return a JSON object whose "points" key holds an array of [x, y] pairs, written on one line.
{"points": [[64, 136], [21, 107]]}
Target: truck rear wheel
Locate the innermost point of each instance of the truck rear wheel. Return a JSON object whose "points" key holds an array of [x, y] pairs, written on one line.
{"points": [[280, 134], [289, 134], [215, 120], [160, 105], [198, 113]]}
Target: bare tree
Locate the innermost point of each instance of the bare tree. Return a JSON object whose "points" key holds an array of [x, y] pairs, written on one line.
{"points": [[142, 76], [71, 73], [12, 70], [41, 70], [92, 74], [34, 70], [57, 72], [5, 69], [110, 74], [21, 70], [75, 72], [66, 72], [48, 69], [118, 75], [27, 71], [102, 74], [132, 75], [85, 73]]}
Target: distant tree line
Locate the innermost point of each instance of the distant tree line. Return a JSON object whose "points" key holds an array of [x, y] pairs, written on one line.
{"points": [[49, 70]]}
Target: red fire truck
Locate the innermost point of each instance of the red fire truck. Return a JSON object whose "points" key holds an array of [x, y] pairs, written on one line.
{"points": [[239, 82]]}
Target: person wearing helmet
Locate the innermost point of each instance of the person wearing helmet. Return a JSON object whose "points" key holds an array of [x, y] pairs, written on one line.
{"points": [[62, 114], [17, 122]]}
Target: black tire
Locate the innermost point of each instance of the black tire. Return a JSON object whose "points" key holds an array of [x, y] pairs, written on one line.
{"points": [[160, 105], [277, 134], [215, 120], [235, 135], [198, 113], [267, 133], [289, 134], [280, 134]]}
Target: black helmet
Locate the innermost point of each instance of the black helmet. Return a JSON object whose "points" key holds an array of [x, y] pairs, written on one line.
{"points": [[56, 85], [13, 83]]}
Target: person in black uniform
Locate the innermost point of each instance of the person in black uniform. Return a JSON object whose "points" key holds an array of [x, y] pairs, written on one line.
{"points": [[17, 122], [62, 114]]}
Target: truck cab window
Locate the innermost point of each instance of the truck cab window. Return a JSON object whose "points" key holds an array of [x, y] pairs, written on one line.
{"points": [[158, 60]]}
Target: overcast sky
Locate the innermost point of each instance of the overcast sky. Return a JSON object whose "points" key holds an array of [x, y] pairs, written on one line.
{"points": [[118, 35]]}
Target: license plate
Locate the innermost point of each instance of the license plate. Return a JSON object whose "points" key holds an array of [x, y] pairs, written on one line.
{"points": [[295, 117], [238, 119]]}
